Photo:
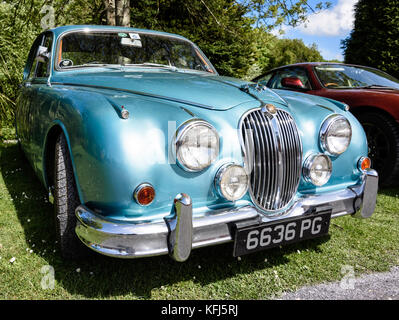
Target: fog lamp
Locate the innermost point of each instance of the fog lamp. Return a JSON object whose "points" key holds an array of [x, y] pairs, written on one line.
{"points": [[317, 169], [231, 182]]}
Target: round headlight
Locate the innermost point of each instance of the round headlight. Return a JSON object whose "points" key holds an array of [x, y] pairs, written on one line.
{"points": [[335, 135], [317, 169], [197, 145], [231, 181]]}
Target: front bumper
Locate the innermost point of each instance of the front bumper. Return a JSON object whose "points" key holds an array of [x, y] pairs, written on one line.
{"points": [[180, 231]]}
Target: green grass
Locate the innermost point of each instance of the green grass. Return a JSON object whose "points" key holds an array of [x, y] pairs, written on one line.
{"points": [[26, 223]]}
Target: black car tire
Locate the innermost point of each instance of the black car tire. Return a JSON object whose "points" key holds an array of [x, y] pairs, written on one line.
{"points": [[65, 202], [383, 140]]}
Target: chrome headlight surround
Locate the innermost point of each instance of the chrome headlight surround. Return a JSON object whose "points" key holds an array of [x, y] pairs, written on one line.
{"points": [[181, 141], [223, 173], [326, 132], [310, 166]]}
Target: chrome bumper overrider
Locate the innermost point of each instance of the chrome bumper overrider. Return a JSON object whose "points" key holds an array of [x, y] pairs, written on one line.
{"points": [[180, 231]]}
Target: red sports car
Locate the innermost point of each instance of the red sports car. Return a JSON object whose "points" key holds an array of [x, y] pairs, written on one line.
{"points": [[372, 95]]}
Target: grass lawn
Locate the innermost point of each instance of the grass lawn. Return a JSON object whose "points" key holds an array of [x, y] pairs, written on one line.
{"points": [[26, 234]]}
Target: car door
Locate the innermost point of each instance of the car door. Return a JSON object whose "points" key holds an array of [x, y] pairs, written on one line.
{"points": [[40, 100], [32, 97], [26, 95]]}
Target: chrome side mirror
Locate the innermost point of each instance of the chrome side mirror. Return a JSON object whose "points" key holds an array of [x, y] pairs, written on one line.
{"points": [[43, 55]]}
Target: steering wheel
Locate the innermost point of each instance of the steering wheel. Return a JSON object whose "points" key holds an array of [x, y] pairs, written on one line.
{"points": [[331, 84]]}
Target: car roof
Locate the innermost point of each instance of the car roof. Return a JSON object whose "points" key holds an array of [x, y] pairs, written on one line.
{"points": [[312, 64]]}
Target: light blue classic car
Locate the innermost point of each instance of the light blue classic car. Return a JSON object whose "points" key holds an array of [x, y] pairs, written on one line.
{"points": [[146, 150]]}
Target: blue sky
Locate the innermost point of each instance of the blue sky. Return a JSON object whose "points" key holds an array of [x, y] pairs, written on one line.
{"points": [[326, 28]]}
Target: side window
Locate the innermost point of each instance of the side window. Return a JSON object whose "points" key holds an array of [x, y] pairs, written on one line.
{"points": [[31, 63], [33, 69], [297, 72], [41, 69]]}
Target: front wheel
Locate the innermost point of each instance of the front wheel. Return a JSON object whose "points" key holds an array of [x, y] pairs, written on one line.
{"points": [[383, 141], [65, 202]]}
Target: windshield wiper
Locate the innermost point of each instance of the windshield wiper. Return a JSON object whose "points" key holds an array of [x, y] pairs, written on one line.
{"points": [[105, 65]]}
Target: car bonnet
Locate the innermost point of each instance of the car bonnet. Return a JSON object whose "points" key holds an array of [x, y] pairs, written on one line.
{"points": [[193, 88]]}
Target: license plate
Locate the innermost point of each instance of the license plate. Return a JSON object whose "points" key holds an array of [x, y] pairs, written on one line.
{"points": [[265, 236]]}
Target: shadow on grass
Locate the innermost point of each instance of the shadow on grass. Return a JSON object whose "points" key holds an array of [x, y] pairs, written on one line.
{"points": [[389, 191], [104, 277]]}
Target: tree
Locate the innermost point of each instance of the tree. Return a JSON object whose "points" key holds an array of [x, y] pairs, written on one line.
{"points": [[374, 41], [18, 30], [118, 12], [225, 29], [289, 51], [273, 52], [220, 28], [22, 21], [273, 13]]}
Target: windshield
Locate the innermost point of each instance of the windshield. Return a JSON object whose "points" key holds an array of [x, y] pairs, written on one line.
{"points": [[96, 49], [342, 77]]}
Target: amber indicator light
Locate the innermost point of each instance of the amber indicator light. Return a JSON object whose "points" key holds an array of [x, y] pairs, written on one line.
{"points": [[144, 194], [365, 164]]}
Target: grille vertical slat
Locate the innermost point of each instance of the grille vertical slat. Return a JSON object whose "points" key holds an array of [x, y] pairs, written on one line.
{"points": [[287, 162], [273, 156], [289, 156], [271, 162], [258, 163], [268, 167], [263, 153], [261, 157]]}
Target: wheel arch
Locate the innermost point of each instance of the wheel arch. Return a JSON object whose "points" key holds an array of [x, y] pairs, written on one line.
{"points": [[389, 172], [49, 154], [363, 109]]}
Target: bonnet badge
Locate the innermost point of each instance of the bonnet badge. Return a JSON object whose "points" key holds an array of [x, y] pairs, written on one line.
{"points": [[271, 108]]}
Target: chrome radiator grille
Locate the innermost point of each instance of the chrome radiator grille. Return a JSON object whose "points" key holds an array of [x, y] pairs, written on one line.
{"points": [[273, 157]]}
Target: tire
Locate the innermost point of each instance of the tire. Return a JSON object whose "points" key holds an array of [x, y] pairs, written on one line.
{"points": [[383, 140], [65, 202]]}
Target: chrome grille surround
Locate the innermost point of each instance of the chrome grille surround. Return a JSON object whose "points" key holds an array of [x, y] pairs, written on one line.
{"points": [[272, 151]]}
